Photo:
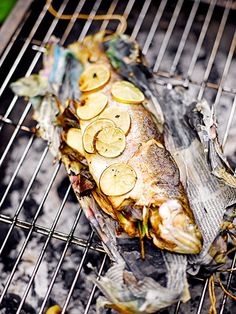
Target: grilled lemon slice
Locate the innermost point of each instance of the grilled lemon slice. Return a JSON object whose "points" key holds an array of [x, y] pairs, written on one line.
{"points": [[55, 309], [110, 142], [126, 92], [74, 140], [117, 179], [91, 130], [90, 106], [118, 115], [94, 77]]}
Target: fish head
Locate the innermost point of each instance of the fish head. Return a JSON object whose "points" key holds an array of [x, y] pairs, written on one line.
{"points": [[174, 229]]}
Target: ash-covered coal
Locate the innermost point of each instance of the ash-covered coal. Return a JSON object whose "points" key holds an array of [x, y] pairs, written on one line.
{"points": [[10, 305]]}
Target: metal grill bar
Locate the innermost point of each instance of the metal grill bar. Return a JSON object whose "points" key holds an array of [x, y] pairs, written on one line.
{"points": [[226, 69], [35, 60], [24, 197], [229, 122], [72, 21], [215, 48], [11, 43], [110, 11], [58, 214], [200, 40], [128, 8], [227, 285], [45, 231], [17, 170], [25, 46], [69, 239], [178, 79], [140, 19], [77, 273], [168, 35], [89, 22], [29, 234], [204, 290], [37, 56], [184, 36], [94, 287], [10, 122], [26, 111], [60, 261], [154, 26]]}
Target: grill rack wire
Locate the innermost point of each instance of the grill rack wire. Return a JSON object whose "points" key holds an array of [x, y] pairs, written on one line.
{"points": [[36, 45]]}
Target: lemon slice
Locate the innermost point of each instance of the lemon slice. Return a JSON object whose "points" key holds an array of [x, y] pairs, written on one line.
{"points": [[119, 116], [94, 77], [55, 309], [126, 92], [117, 179], [91, 130], [90, 106], [110, 142], [74, 140]]}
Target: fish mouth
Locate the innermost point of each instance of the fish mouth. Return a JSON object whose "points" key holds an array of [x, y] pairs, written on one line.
{"points": [[185, 242], [169, 226], [174, 230]]}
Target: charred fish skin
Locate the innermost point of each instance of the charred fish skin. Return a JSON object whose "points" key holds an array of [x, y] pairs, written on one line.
{"points": [[158, 187]]}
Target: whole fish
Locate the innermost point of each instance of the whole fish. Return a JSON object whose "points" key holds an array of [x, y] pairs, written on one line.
{"points": [[157, 206], [158, 199]]}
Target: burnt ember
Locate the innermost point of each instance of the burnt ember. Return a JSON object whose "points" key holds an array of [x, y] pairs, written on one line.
{"points": [[10, 305]]}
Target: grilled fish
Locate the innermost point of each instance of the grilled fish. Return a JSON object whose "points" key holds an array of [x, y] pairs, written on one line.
{"points": [[158, 200], [154, 204]]}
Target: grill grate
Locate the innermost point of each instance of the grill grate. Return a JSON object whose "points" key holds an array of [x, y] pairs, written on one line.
{"points": [[187, 42]]}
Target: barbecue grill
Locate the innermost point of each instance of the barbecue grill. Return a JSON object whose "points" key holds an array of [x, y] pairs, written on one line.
{"points": [[47, 249]]}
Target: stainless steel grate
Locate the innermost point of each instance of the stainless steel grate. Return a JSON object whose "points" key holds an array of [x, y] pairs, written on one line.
{"points": [[188, 42]]}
